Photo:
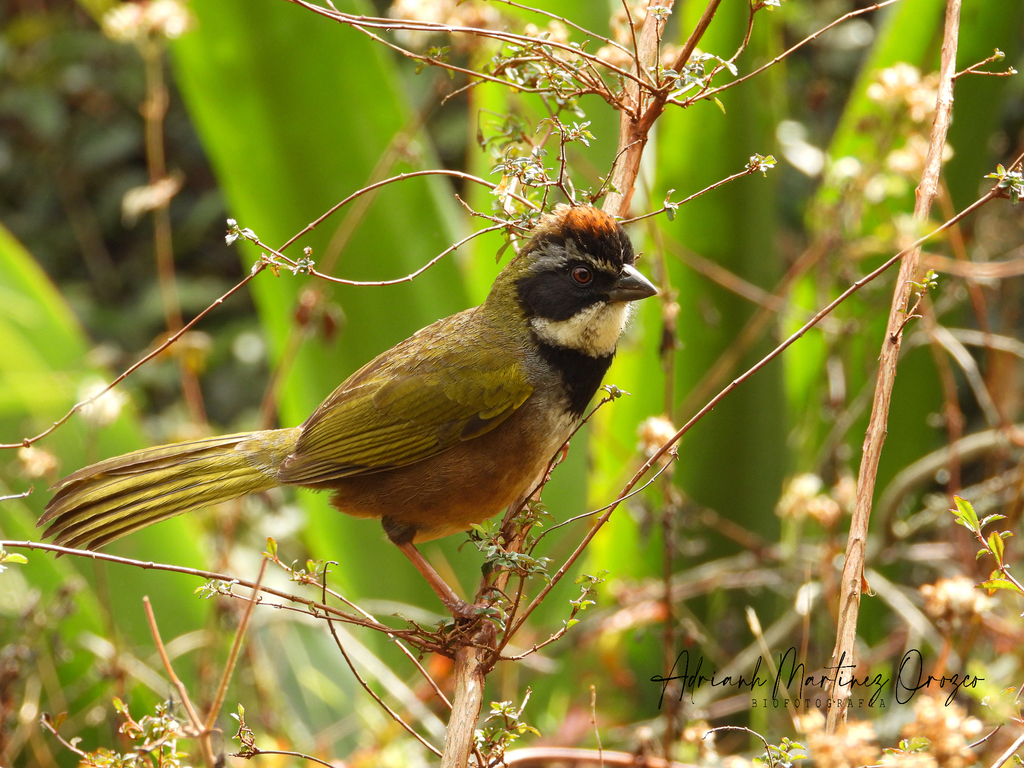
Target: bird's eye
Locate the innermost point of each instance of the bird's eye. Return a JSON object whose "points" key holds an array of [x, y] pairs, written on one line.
{"points": [[582, 275]]}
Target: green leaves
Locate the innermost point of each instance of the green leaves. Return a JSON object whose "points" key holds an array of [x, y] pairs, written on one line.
{"points": [[1011, 182]]}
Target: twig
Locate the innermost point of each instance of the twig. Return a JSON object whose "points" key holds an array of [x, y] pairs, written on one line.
{"points": [[13, 496], [853, 569], [197, 724], [537, 757], [367, 283], [47, 723], [154, 110], [383, 704], [229, 667], [698, 32], [259, 267], [318, 609], [365, 23], [593, 720], [973, 69], [767, 746], [749, 170], [391, 180], [781, 56], [1004, 758], [302, 755], [633, 132]]}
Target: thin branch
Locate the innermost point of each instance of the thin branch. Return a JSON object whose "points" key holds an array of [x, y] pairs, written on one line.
{"points": [[383, 704], [767, 746], [366, 23], [154, 111], [186, 701], [13, 496], [47, 723], [1004, 758], [851, 585], [698, 32], [317, 609], [973, 69], [750, 169], [400, 177], [301, 755], [532, 757], [781, 56], [564, 20], [28, 441], [229, 667], [367, 283]]}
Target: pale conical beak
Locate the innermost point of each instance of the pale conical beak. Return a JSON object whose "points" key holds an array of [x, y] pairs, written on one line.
{"points": [[631, 286]]}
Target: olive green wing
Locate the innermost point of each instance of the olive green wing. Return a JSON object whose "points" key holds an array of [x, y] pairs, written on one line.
{"points": [[407, 405]]}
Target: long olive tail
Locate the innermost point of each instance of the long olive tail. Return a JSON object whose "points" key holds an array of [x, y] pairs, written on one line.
{"points": [[108, 500]]}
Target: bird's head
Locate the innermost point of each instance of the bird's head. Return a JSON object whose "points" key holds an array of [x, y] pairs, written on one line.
{"points": [[574, 281]]}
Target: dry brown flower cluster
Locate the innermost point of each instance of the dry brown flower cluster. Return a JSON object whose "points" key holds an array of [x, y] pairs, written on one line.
{"points": [[949, 730], [954, 602], [803, 497], [852, 746]]}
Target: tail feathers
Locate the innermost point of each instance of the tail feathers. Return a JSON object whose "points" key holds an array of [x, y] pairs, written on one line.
{"points": [[113, 498]]}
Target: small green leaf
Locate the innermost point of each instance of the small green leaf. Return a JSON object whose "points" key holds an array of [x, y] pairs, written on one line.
{"points": [[965, 514], [995, 544], [999, 583]]}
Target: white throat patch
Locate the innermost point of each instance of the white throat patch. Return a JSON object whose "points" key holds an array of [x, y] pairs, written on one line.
{"points": [[594, 331]]}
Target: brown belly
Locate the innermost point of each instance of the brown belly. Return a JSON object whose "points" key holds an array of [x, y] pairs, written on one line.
{"points": [[466, 484]]}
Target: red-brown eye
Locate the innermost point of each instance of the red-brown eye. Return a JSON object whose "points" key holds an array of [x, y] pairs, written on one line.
{"points": [[582, 275]]}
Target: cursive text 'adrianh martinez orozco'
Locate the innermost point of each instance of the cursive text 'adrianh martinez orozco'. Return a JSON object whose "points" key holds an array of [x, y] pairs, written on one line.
{"points": [[791, 673]]}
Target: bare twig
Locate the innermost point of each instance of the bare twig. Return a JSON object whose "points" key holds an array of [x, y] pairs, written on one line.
{"points": [[974, 68], [47, 723], [391, 180], [193, 717], [367, 283], [309, 606], [698, 32], [13, 496], [154, 110], [259, 267], [1004, 758], [748, 171], [851, 585], [538, 757], [383, 704], [257, 751], [229, 666], [715, 91]]}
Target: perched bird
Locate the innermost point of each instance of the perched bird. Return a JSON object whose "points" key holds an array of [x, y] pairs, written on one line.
{"points": [[445, 429]]}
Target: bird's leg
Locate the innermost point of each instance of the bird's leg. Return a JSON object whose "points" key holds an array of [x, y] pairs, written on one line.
{"points": [[459, 607]]}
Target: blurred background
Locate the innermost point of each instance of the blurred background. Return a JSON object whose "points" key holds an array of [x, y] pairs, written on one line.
{"points": [[130, 134]]}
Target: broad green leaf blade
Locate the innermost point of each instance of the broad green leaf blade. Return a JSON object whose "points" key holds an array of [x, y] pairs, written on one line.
{"points": [[296, 113]]}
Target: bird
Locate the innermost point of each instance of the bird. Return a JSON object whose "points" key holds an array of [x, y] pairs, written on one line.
{"points": [[442, 431]]}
